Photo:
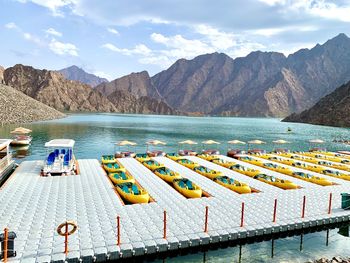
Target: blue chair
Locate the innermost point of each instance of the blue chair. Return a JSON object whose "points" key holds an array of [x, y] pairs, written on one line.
{"points": [[189, 185], [66, 160], [63, 151], [135, 189], [125, 189], [57, 152], [181, 184]]}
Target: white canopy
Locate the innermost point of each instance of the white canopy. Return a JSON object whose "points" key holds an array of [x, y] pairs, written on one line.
{"points": [[256, 142], [210, 142], [60, 143], [236, 142], [124, 143], [4, 143], [21, 130], [155, 142], [316, 141], [281, 142], [190, 142]]}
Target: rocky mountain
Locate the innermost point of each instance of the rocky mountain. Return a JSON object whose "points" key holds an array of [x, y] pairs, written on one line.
{"points": [[78, 74], [17, 107], [139, 84], [331, 110], [56, 91], [53, 89], [2, 69], [260, 84]]}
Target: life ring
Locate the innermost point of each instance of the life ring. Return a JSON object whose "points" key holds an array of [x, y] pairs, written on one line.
{"points": [[63, 226]]}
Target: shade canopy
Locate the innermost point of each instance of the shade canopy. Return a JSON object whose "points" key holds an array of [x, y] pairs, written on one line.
{"points": [[21, 130], [155, 142], [256, 142], [280, 142], [125, 142], [210, 142], [4, 143], [236, 142], [188, 142], [316, 141], [60, 143]]}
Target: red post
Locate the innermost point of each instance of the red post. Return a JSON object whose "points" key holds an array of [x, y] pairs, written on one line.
{"points": [[66, 238], [6, 237], [206, 219], [242, 215], [164, 234], [330, 203], [274, 211], [118, 230], [303, 211]]}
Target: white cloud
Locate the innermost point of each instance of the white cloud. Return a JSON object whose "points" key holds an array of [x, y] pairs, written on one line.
{"points": [[102, 74], [11, 25], [113, 31], [61, 48], [139, 49], [32, 38], [53, 32], [218, 39], [54, 5]]}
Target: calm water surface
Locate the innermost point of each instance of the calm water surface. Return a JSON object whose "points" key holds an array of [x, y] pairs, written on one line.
{"points": [[95, 135]]}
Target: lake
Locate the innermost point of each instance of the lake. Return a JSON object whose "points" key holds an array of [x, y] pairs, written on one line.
{"points": [[95, 134]]}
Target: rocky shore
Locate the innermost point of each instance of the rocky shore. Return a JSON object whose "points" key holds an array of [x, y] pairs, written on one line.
{"points": [[333, 260], [17, 107]]}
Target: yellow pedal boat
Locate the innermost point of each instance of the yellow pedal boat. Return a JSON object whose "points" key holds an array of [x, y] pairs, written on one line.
{"points": [[187, 188], [312, 179], [244, 170], [277, 168], [142, 157], [334, 165], [132, 193], [284, 184], [121, 177], [223, 163], [233, 185], [211, 174], [113, 167], [332, 159], [187, 163], [107, 159], [336, 174], [208, 157], [174, 156], [166, 174], [152, 164], [250, 160]]}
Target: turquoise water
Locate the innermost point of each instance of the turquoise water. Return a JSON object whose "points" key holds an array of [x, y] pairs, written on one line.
{"points": [[95, 134]]}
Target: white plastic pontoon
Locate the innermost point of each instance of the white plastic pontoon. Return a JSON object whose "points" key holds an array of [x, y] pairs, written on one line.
{"points": [[6, 162]]}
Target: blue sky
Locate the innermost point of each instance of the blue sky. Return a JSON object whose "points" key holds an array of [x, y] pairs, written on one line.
{"points": [[112, 38]]}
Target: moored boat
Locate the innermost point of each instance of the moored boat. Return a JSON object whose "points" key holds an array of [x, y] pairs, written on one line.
{"points": [[152, 164], [113, 167], [281, 183], [157, 153], [208, 157], [233, 185], [7, 164], [311, 178], [211, 152], [211, 174], [223, 163], [187, 188], [187, 153], [124, 154], [187, 163], [174, 156], [166, 174], [107, 159], [121, 177], [142, 157], [244, 170], [132, 193], [21, 136]]}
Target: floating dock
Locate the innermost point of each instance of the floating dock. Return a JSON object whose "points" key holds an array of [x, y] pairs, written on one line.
{"points": [[33, 206]]}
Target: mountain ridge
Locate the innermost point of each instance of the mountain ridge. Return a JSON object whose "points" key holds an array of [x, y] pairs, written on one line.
{"points": [[76, 73]]}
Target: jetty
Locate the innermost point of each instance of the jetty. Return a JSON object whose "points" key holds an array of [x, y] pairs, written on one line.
{"points": [[34, 206]]}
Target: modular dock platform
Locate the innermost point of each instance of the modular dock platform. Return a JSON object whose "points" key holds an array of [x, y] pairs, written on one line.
{"points": [[33, 206]]}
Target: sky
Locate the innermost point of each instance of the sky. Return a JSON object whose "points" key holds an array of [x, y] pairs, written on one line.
{"points": [[112, 38]]}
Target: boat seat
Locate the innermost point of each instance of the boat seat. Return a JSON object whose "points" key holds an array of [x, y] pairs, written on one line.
{"points": [[63, 151], [57, 152], [189, 185], [125, 189], [123, 175], [135, 189], [182, 184]]}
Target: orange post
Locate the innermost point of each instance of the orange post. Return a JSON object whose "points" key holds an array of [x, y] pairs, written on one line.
{"points": [[206, 219], [164, 221], [330, 203], [242, 215], [274, 211], [118, 230], [66, 239], [6, 237], [304, 204]]}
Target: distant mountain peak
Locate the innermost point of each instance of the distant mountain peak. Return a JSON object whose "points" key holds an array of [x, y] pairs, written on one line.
{"points": [[76, 73]]}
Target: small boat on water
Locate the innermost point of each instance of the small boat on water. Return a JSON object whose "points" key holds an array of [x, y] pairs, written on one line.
{"points": [[223, 163], [244, 170], [113, 167], [132, 193], [187, 153], [233, 185], [234, 152], [142, 157], [211, 152], [125, 154], [187, 163], [21, 136], [187, 188], [250, 160], [174, 156], [166, 174], [60, 160], [152, 164], [277, 168], [211, 174], [284, 184], [7, 164], [105, 159], [155, 153], [208, 157], [121, 177]]}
